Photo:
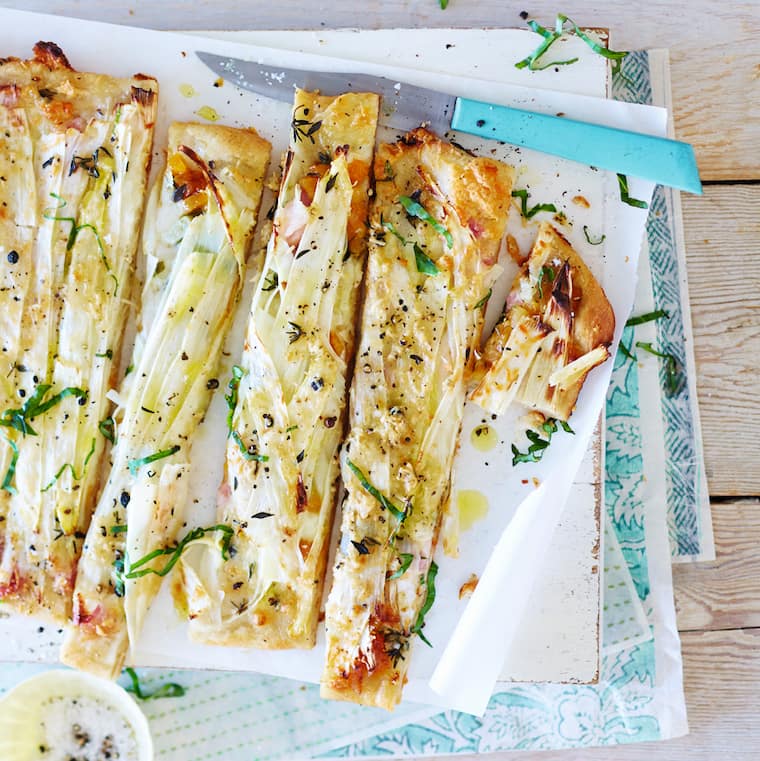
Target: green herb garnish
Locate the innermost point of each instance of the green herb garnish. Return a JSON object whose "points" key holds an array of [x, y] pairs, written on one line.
{"points": [[588, 237], [648, 317], [550, 37], [673, 379], [480, 304], [70, 466], [232, 397], [120, 529], [405, 560], [249, 453], [135, 465], [136, 570], [443, 4], [523, 195], [108, 354], [7, 484], [391, 229], [428, 604], [35, 406], [538, 445], [625, 198], [385, 503], [544, 272], [425, 264], [414, 209], [168, 690], [107, 428]]}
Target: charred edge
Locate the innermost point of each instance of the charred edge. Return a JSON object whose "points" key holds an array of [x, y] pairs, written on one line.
{"points": [[142, 96], [301, 496], [50, 55], [9, 59], [563, 288]]}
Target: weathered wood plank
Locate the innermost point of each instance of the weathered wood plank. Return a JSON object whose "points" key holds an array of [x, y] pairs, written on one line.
{"points": [[724, 594], [723, 252], [715, 68], [722, 683]]}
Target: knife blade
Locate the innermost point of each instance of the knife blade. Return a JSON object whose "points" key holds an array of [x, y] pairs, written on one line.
{"points": [[405, 106]]}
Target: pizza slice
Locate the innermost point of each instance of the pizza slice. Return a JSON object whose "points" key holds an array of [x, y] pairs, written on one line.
{"points": [[557, 326], [198, 229], [288, 394], [74, 162], [437, 220]]}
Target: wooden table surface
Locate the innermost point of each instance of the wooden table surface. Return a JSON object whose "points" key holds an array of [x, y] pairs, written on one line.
{"points": [[715, 56]]}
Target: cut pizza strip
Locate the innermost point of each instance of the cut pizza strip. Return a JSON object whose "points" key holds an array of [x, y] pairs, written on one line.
{"points": [[573, 326], [289, 392], [74, 161], [198, 229], [438, 220]]}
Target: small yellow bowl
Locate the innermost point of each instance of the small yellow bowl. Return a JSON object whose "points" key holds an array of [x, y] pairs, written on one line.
{"points": [[50, 712]]}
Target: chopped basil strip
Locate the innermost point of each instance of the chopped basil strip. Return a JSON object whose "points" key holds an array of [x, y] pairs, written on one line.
{"points": [[648, 317], [523, 195], [428, 604], [616, 56], [538, 445], [247, 453], [425, 264], [673, 379], [588, 237], [70, 466], [385, 503], [7, 484], [625, 351], [414, 209], [35, 406], [443, 4], [136, 570], [232, 397], [405, 560], [168, 690], [107, 428], [135, 465], [625, 198], [484, 300]]}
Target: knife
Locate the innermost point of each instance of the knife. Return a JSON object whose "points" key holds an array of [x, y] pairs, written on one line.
{"points": [[667, 162]]}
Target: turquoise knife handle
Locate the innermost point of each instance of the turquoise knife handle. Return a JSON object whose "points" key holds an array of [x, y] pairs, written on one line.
{"points": [[667, 162]]}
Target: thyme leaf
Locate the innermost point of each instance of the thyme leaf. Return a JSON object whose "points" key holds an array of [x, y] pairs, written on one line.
{"points": [[415, 209], [168, 690], [295, 332], [70, 466], [428, 604], [303, 129], [271, 281], [137, 569], [135, 465], [625, 198], [523, 195]]}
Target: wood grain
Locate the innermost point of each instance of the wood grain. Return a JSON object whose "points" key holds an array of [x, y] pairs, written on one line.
{"points": [[723, 261], [722, 685], [724, 594], [715, 65]]}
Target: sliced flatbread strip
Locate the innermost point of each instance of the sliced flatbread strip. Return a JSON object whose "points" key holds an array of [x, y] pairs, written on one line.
{"points": [[287, 420], [75, 153], [438, 220], [556, 327], [198, 229]]}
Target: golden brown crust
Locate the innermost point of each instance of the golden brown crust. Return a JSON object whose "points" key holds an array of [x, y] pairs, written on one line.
{"points": [[556, 287]]}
